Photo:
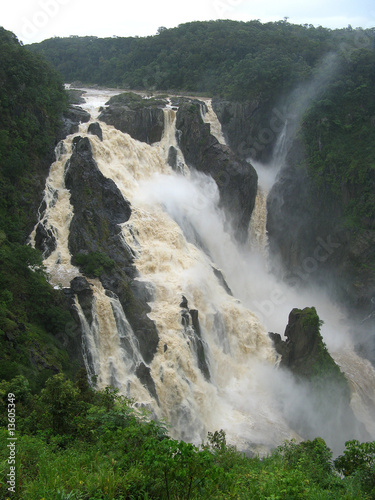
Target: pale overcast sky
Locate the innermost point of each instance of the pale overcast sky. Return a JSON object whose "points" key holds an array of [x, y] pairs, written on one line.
{"points": [[36, 20]]}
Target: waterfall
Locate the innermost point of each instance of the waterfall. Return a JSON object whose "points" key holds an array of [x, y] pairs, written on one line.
{"points": [[110, 347], [168, 143], [257, 232], [209, 116], [164, 204], [56, 218], [182, 249], [257, 237], [280, 149]]}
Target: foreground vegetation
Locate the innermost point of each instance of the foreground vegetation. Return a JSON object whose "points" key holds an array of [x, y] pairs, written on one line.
{"points": [[75, 443]]}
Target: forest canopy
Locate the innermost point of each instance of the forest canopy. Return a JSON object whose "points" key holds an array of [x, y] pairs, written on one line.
{"points": [[32, 314], [237, 60]]}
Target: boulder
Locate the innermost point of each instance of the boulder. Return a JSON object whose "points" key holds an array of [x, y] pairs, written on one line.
{"points": [[95, 129], [71, 119], [142, 119]]}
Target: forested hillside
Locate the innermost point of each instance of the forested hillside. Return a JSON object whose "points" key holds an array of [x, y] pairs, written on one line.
{"points": [[32, 314], [232, 59]]}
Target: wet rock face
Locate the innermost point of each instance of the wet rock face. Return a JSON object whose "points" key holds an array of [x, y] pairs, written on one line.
{"points": [[99, 208], [251, 128], [320, 385], [45, 240], [304, 346], [143, 372], [142, 119], [95, 129], [236, 179], [190, 322], [80, 287], [98, 204], [306, 231], [72, 117]]}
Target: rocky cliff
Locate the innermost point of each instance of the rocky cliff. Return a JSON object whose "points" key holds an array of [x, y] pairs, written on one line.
{"points": [[321, 386], [235, 178], [308, 232], [251, 128], [95, 238], [141, 118]]}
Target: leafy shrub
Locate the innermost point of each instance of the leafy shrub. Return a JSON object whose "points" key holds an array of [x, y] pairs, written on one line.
{"points": [[359, 460], [94, 263]]}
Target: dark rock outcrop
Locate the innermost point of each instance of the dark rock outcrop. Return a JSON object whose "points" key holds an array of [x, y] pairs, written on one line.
{"points": [[190, 322], [172, 157], [250, 128], [143, 372], [99, 208], [79, 285], [323, 393], [95, 129], [141, 118], [83, 290], [222, 280], [98, 204], [304, 352], [75, 96], [235, 178], [72, 117], [45, 240]]}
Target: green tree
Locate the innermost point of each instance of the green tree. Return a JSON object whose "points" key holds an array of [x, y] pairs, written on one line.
{"points": [[59, 399]]}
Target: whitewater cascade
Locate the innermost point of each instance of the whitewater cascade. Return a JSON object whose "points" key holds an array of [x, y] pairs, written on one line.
{"points": [[209, 116], [176, 232]]}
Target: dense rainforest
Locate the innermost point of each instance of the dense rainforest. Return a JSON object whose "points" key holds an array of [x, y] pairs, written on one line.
{"points": [[32, 314], [77, 443], [231, 59]]}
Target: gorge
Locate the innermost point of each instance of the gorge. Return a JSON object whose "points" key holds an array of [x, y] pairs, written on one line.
{"points": [[156, 231]]}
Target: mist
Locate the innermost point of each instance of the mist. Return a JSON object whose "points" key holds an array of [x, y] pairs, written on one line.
{"points": [[192, 201], [194, 204], [290, 111]]}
